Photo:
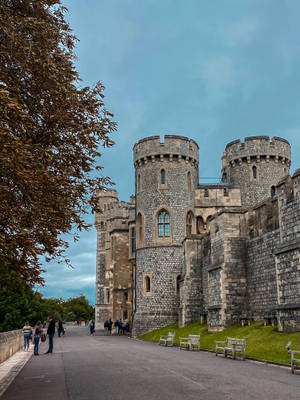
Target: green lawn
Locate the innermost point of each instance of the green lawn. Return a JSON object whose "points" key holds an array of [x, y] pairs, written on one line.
{"points": [[263, 342]]}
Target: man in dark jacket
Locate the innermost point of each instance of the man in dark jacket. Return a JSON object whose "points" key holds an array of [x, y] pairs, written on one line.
{"points": [[50, 333]]}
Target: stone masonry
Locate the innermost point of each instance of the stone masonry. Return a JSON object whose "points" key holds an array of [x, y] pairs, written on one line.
{"points": [[224, 253]]}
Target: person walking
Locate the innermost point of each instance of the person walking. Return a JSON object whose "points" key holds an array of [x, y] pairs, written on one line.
{"points": [[106, 327], [116, 326], [60, 328], [109, 325], [27, 331], [50, 333], [92, 327], [37, 335]]}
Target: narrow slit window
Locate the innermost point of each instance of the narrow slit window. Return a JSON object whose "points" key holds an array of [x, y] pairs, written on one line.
{"points": [[254, 171], [162, 176], [133, 240], [189, 182], [273, 191], [148, 284]]}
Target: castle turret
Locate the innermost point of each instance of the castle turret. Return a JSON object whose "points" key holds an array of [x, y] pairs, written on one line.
{"points": [[256, 166], [105, 200], [166, 176]]}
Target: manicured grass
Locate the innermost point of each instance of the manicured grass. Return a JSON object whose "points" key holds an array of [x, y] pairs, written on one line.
{"points": [[263, 342]]}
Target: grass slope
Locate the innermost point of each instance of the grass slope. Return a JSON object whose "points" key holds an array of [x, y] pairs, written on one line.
{"points": [[263, 342]]}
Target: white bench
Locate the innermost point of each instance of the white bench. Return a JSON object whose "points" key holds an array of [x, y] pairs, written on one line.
{"points": [[190, 343], [167, 340], [295, 362], [233, 346]]}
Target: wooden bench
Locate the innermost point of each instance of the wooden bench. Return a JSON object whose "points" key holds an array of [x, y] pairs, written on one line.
{"points": [[233, 346], [295, 362], [167, 340], [190, 343]]}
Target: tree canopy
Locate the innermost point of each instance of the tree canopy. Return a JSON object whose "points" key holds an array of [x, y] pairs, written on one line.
{"points": [[51, 129], [20, 303]]}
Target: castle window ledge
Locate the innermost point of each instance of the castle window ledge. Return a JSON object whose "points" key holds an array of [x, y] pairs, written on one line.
{"points": [[215, 307], [212, 267], [284, 248], [288, 306]]}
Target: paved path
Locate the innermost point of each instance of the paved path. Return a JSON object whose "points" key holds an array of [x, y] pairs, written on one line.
{"points": [[115, 368]]}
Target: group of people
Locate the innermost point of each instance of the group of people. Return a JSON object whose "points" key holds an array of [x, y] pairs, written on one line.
{"points": [[37, 334], [120, 327]]}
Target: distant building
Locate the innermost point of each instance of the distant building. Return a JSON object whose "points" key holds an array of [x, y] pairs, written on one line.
{"points": [[226, 252]]}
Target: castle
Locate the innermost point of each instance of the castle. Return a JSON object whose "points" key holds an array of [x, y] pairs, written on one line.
{"points": [[223, 253]]}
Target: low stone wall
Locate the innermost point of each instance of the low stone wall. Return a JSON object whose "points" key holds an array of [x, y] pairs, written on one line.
{"points": [[10, 343]]}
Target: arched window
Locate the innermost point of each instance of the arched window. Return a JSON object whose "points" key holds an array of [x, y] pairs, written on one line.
{"points": [[224, 177], [189, 182], [139, 223], [125, 296], [148, 284], [254, 171], [163, 221], [162, 176], [273, 191], [189, 223], [200, 225]]}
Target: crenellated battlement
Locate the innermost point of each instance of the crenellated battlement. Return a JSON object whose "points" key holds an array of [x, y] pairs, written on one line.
{"points": [[174, 148], [257, 148]]}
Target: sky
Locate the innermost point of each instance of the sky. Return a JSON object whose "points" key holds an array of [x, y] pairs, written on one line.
{"points": [[214, 71]]}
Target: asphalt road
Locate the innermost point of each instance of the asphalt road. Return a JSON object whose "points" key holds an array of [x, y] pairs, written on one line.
{"points": [[115, 367]]}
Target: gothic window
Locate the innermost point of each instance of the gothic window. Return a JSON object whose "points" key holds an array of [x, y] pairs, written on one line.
{"points": [[162, 176], [189, 223], [224, 177], [254, 172], [163, 221], [133, 241], [148, 284], [125, 296], [273, 191], [139, 223], [189, 182]]}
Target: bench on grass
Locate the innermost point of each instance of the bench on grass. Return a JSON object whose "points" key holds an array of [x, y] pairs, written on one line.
{"points": [[190, 343], [233, 346], [295, 362], [167, 340]]}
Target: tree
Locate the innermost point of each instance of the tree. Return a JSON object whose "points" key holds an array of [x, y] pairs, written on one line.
{"points": [[50, 132]]}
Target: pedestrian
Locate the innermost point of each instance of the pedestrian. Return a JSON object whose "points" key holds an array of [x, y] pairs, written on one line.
{"points": [[60, 328], [27, 331], [38, 332], [50, 333], [64, 327], [110, 323], [106, 327], [116, 326], [92, 327]]}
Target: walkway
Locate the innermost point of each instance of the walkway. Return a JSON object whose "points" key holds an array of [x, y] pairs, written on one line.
{"points": [[116, 367]]}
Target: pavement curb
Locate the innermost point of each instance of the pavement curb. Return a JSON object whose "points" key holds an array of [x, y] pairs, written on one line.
{"points": [[12, 371]]}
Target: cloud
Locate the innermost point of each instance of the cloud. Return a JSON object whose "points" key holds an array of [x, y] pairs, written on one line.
{"points": [[241, 32]]}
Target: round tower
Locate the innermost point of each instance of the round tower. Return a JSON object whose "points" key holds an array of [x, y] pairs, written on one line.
{"points": [[166, 176], [256, 166]]}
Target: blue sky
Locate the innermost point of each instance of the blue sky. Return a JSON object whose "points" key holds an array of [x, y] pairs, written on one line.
{"points": [[213, 70]]}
